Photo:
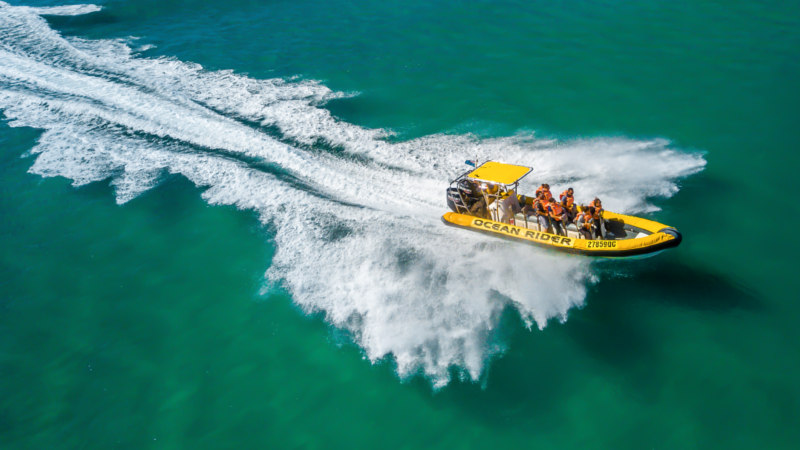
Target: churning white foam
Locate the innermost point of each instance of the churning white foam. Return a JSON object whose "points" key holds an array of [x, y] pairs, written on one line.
{"points": [[357, 229], [66, 10]]}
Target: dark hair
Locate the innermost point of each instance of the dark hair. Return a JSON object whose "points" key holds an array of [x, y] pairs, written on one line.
{"points": [[590, 209]]}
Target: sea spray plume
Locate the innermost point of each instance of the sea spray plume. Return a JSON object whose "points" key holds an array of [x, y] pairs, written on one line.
{"points": [[356, 218]]}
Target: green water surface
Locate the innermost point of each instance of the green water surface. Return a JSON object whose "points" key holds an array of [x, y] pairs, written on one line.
{"points": [[147, 325]]}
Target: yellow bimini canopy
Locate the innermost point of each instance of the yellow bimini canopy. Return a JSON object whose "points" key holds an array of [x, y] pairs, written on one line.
{"points": [[496, 172]]}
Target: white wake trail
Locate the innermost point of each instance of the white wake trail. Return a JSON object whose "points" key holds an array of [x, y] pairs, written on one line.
{"points": [[356, 218]]}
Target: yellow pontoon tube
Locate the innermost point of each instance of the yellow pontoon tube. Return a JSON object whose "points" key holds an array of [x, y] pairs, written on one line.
{"points": [[624, 235]]}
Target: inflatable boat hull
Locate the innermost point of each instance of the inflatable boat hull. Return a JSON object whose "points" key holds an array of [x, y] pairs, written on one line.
{"points": [[656, 237]]}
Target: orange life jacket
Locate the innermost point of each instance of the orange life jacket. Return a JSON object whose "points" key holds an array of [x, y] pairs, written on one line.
{"points": [[597, 210], [556, 211], [587, 220], [570, 199], [546, 191], [540, 207]]}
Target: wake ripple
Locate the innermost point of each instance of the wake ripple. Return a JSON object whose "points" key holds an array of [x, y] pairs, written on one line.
{"points": [[357, 227]]}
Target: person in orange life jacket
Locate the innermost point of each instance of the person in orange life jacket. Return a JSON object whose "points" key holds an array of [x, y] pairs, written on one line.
{"points": [[599, 228], [571, 210], [540, 209], [585, 222], [598, 207], [544, 188], [568, 202], [558, 217]]}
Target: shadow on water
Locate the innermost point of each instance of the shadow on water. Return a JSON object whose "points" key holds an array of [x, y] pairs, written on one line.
{"points": [[665, 280], [614, 337]]}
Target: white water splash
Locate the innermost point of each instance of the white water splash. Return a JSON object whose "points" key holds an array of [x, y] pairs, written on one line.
{"points": [[358, 232], [66, 10]]}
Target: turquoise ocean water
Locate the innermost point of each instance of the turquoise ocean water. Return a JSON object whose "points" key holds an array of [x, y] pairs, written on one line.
{"points": [[219, 225]]}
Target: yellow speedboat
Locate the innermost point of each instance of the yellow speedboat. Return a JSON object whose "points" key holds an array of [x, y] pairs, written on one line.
{"points": [[475, 198]]}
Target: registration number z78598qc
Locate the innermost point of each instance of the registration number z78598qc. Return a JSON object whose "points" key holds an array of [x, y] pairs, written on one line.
{"points": [[602, 244]]}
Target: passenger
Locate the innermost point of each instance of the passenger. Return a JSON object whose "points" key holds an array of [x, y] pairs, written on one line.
{"points": [[599, 227], [570, 211], [585, 221], [544, 188], [558, 217], [568, 202], [568, 193], [598, 207], [540, 208]]}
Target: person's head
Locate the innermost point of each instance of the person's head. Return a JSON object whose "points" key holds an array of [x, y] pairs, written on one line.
{"points": [[546, 186], [570, 192], [596, 201]]}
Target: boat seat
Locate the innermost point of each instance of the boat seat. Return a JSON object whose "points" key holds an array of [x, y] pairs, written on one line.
{"points": [[572, 232], [519, 219]]}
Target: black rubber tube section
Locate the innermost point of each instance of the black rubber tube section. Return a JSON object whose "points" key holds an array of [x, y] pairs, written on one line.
{"points": [[674, 233]]}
